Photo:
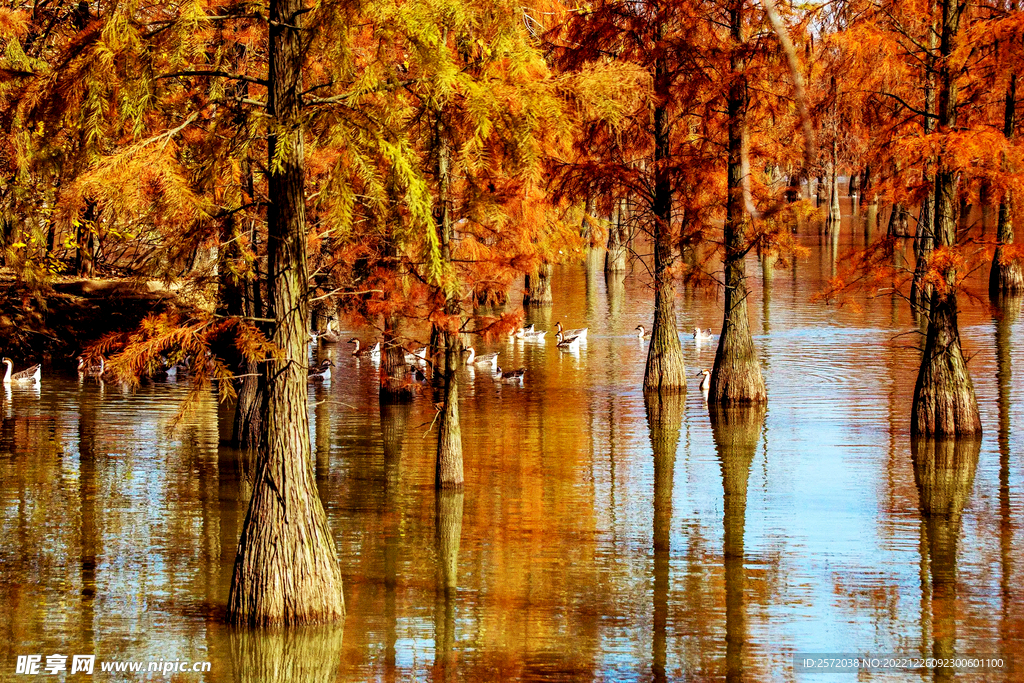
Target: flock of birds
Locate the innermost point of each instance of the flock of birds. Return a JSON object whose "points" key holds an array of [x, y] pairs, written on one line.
{"points": [[566, 340]]}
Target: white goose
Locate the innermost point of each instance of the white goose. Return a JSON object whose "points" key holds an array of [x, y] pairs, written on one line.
{"points": [[702, 335], [529, 334], [484, 359], [568, 343], [569, 334], [705, 384], [26, 376]]}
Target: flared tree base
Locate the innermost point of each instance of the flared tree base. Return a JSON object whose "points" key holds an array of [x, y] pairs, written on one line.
{"points": [[1006, 276], [945, 404]]}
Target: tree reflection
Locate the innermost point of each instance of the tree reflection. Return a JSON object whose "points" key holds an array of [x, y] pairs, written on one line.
{"points": [[393, 421], [664, 415], [448, 532], [736, 431], [88, 491], [322, 433], [295, 655], [944, 474], [615, 285], [1009, 310]]}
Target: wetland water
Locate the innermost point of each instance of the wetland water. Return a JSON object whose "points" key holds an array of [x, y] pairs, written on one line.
{"points": [[597, 537]]}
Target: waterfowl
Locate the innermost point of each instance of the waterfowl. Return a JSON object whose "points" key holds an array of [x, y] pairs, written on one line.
{"points": [[702, 335], [569, 334], [166, 370], [641, 332], [322, 371], [568, 343], [30, 374], [361, 351], [530, 334], [330, 336], [90, 370], [705, 384], [509, 375], [417, 356], [485, 359]]}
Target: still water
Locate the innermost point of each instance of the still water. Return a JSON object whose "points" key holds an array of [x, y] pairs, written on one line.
{"points": [[597, 537]]}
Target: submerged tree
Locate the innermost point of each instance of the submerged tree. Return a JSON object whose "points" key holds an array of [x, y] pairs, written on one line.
{"points": [[944, 399], [287, 568], [737, 374]]}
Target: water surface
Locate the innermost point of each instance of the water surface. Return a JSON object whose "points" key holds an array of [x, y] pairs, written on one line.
{"points": [[598, 537]]}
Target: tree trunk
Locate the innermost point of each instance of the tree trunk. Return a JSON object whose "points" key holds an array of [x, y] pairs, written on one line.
{"points": [[286, 571], [395, 384], [538, 287], [665, 369], [833, 219], [924, 243], [1006, 275], [85, 257], [448, 472], [615, 256], [736, 377], [249, 408], [899, 221], [944, 401]]}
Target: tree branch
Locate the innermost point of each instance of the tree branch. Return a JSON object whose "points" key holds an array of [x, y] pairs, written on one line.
{"points": [[218, 74]]}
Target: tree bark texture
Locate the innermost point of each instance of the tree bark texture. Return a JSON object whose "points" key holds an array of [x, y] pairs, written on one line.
{"points": [[538, 287], [448, 471], [286, 571], [736, 377], [899, 221], [924, 242], [944, 401], [666, 370], [1007, 275]]}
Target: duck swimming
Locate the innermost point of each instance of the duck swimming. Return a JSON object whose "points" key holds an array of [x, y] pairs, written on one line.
{"points": [[30, 374], [569, 334], [485, 359], [530, 334], [568, 343], [705, 384], [642, 333], [702, 335], [322, 371], [373, 351], [509, 375]]}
